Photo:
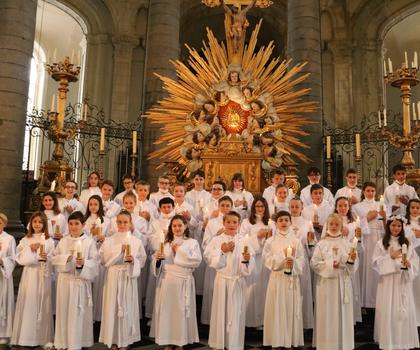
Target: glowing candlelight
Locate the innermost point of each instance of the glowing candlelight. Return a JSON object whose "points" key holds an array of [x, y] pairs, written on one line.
{"points": [[162, 241], [102, 140], [134, 141], [328, 147], [52, 188], [358, 154]]}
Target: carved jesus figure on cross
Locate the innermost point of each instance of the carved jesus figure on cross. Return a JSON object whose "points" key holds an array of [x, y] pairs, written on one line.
{"points": [[238, 20]]}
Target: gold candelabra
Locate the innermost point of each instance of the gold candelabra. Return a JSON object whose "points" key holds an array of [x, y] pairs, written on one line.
{"points": [[404, 78], [58, 169]]}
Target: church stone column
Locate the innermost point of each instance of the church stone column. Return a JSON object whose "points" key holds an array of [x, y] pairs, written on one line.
{"points": [[304, 44], [17, 31], [162, 46]]}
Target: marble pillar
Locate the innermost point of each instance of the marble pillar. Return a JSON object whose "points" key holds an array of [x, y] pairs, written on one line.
{"points": [[304, 44], [162, 45], [17, 31]]}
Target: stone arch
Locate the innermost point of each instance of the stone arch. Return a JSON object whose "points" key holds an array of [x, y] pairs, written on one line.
{"points": [[369, 23]]}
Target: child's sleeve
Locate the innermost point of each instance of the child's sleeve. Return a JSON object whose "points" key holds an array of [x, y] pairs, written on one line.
{"points": [[24, 254], [139, 259], [188, 255], [8, 261], [60, 257], [214, 255], [382, 262], [110, 254], [274, 261], [91, 265], [323, 267], [299, 259]]}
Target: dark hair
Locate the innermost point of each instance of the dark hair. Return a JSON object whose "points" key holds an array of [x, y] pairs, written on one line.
{"points": [[366, 185], [44, 219], [401, 237], [348, 215], [237, 176], [407, 213], [166, 200], [398, 167], [282, 213], [107, 182], [180, 184], [101, 212], [231, 213], [127, 177], [281, 186], [170, 234], [315, 187], [313, 170], [142, 183], [266, 216], [125, 213], [55, 209], [76, 215], [351, 171], [277, 172], [72, 181], [225, 199], [199, 173], [221, 183]]}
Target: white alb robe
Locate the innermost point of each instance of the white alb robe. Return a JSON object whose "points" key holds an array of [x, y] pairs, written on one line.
{"points": [[227, 323], [56, 220], [7, 302], [300, 228], [256, 282], [372, 232], [73, 202], [119, 197], [212, 228], [324, 210], [270, 192], [390, 195], [333, 327], [241, 195], [87, 193], [349, 192], [283, 322], [174, 318], [74, 322], [33, 322], [395, 316], [111, 208], [120, 309], [155, 197]]}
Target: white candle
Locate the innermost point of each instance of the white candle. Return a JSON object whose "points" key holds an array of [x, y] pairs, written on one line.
{"points": [[52, 188], [390, 65], [141, 206], [355, 241], [102, 141], [98, 222], [381, 202], [328, 147], [404, 249], [416, 65], [177, 208], [79, 248], [52, 109], [289, 252], [418, 110], [162, 237], [246, 241], [358, 154], [134, 141], [385, 121], [379, 119], [406, 59], [385, 69], [414, 112], [357, 222]]}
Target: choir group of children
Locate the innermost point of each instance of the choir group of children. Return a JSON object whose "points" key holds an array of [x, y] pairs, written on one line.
{"points": [[276, 262]]}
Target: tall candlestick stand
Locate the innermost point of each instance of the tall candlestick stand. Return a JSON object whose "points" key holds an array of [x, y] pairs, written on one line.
{"points": [[404, 78], [58, 168], [329, 173], [133, 165], [359, 170], [101, 164]]}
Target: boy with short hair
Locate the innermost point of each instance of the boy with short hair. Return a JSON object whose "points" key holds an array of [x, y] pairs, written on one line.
{"points": [[198, 196], [111, 208], [277, 178], [128, 184], [318, 210], [76, 260], [351, 191], [314, 177], [232, 257], [145, 208], [163, 190], [398, 194]]}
